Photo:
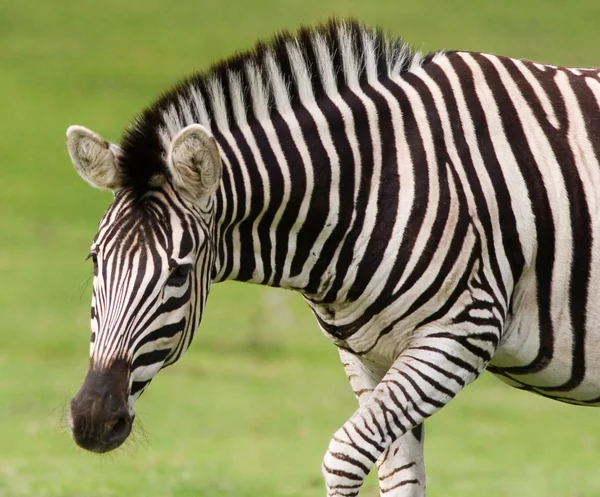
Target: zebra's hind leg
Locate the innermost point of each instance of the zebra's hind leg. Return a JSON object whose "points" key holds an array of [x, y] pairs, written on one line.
{"points": [[401, 467], [422, 380]]}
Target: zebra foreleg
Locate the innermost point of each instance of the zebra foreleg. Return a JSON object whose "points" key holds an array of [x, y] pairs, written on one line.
{"points": [[401, 467], [424, 378]]}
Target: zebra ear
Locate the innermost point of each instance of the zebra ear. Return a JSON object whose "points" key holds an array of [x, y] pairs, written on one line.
{"points": [[194, 162], [94, 158]]}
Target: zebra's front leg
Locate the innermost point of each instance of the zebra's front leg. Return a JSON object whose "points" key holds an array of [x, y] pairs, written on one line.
{"points": [[401, 467], [423, 379]]}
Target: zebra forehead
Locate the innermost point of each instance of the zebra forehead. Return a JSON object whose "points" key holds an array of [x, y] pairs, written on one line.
{"points": [[153, 220], [289, 70], [143, 245]]}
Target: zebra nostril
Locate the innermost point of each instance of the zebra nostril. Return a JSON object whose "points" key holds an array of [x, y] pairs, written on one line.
{"points": [[120, 429]]}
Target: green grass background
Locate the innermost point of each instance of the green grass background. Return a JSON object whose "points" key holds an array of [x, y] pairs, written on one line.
{"points": [[250, 409]]}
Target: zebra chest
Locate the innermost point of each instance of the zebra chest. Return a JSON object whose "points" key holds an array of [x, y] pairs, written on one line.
{"points": [[372, 341]]}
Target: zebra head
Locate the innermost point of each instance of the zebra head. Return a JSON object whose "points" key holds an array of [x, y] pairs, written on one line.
{"points": [[153, 260]]}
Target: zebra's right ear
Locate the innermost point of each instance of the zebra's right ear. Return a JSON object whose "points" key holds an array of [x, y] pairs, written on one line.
{"points": [[194, 162], [94, 158]]}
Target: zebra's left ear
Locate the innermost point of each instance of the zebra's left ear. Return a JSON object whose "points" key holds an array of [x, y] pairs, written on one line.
{"points": [[194, 162], [94, 158]]}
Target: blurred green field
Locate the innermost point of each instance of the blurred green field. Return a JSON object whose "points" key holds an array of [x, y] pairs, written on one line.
{"points": [[250, 409]]}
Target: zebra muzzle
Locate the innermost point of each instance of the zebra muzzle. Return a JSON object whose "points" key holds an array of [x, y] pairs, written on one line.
{"points": [[99, 416]]}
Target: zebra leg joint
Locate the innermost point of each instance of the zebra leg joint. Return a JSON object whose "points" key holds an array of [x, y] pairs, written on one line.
{"points": [[401, 468], [424, 378]]}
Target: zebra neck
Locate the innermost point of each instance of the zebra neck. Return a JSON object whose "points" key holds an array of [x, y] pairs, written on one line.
{"points": [[287, 201], [305, 197]]}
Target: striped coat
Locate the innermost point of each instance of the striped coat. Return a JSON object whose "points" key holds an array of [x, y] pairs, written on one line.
{"points": [[438, 214]]}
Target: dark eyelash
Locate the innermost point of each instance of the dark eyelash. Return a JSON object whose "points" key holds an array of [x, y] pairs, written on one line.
{"points": [[179, 275], [93, 256]]}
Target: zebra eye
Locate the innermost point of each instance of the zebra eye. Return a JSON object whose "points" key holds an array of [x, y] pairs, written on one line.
{"points": [[179, 275], [94, 257]]}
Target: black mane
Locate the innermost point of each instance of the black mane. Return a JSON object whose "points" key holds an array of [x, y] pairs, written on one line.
{"points": [[143, 152]]}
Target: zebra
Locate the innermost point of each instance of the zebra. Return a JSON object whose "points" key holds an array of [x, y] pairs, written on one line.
{"points": [[436, 212]]}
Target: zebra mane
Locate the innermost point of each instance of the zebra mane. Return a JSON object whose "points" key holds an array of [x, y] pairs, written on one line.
{"points": [[291, 69]]}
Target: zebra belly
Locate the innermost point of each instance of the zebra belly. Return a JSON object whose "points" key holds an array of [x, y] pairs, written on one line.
{"points": [[584, 396], [565, 368]]}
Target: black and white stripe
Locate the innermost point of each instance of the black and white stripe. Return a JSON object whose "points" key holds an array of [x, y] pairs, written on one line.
{"points": [[148, 299], [437, 213]]}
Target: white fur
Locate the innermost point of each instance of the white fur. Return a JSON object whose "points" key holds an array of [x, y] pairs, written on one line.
{"points": [[278, 85], [369, 56], [200, 105], [258, 92], [301, 73], [237, 99], [172, 126], [398, 61], [325, 65], [349, 61], [217, 97], [268, 87]]}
